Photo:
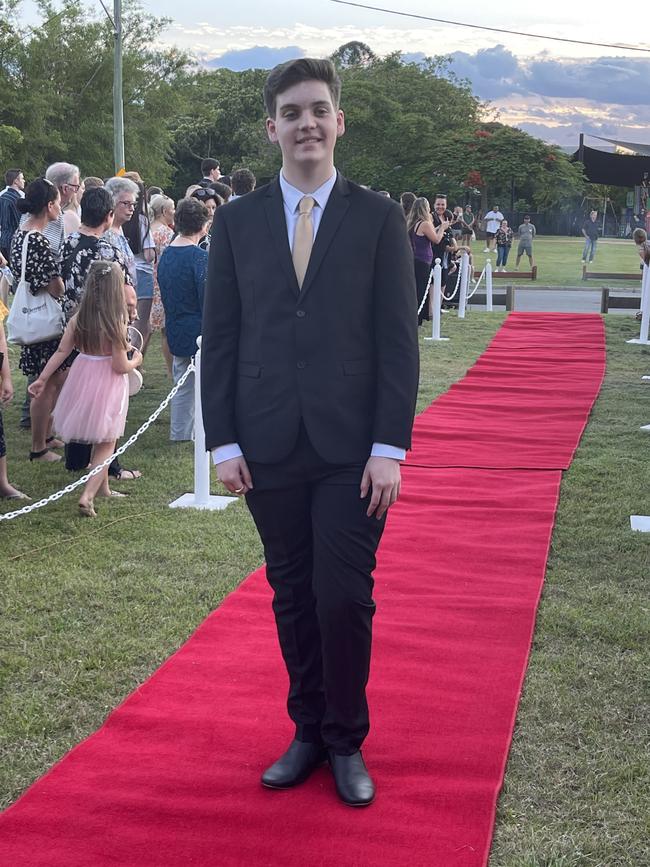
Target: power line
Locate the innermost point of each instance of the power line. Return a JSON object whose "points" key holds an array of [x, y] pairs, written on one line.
{"points": [[492, 29]]}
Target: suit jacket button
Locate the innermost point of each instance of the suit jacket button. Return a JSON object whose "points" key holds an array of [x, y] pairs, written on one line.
{"points": [[301, 365], [300, 314]]}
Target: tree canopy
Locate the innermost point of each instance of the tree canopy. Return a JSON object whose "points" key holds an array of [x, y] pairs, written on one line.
{"points": [[408, 125]]}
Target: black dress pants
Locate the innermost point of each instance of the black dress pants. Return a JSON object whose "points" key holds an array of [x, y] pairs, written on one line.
{"points": [[320, 553]]}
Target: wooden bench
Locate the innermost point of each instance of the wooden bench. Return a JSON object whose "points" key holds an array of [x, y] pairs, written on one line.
{"points": [[609, 275], [618, 302], [608, 301], [511, 275], [499, 299]]}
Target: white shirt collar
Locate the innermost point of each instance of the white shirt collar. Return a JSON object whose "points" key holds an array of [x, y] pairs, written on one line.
{"points": [[292, 195]]}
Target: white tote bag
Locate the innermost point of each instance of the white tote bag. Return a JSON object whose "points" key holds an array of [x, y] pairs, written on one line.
{"points": [[33, 318]]}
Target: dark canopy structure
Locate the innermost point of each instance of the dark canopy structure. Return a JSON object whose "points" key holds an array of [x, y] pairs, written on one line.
{"points": [[616, 170]]}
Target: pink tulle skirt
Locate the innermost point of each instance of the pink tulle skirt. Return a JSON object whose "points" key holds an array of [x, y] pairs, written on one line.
{"points": [[93, 402]]}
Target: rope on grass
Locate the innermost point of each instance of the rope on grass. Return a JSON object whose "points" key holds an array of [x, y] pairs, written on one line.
{"points": [[77, 538]]}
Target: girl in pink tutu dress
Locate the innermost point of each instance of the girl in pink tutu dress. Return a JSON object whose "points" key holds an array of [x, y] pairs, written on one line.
{"points": [[94, 400]]}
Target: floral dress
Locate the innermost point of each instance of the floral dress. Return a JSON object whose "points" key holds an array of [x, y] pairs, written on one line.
{"points": [[79, 252], [162, 236], [41, 268]]}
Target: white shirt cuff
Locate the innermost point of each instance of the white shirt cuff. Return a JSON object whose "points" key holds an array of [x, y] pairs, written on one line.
{"points": [[226, 453], [381, 450]]}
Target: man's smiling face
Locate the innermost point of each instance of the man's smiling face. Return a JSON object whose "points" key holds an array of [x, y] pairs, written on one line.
{"points": [[306, 124]]}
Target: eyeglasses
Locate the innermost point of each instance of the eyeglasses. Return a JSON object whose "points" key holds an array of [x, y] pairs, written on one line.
{"points": [[74, 187], [127, 204]]}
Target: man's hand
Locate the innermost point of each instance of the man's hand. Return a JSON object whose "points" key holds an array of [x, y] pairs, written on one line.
{"points": [[235, 476], [382, 475]]}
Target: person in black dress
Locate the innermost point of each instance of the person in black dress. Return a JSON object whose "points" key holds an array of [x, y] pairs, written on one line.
{"points": [[42, 204]]}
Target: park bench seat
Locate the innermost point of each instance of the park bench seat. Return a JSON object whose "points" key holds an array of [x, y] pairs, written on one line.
{"points": [[511, 275]]}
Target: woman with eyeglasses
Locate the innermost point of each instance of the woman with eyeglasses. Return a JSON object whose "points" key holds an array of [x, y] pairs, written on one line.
{"points": [[212, 200], [125, 195], [137, 231]]}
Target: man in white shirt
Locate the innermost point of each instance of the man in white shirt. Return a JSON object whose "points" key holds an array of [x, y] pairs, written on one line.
{"points": [[493, 220]]}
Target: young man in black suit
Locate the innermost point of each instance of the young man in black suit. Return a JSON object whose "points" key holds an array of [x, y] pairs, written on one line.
{"points": [[309, 381], [211, 172]]}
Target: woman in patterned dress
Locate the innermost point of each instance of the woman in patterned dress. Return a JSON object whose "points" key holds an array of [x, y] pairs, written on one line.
{"points": [[162, 230], [42, 204]]}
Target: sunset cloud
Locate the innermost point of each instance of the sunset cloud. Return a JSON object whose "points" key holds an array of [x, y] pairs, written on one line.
{"points": [[554, 98]]}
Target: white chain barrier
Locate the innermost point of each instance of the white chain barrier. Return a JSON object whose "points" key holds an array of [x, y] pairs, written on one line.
{"points": [[464, 283], [478, 283], [436, 299], [426, 293], [455, 292], [488, 286], [82, 481]]}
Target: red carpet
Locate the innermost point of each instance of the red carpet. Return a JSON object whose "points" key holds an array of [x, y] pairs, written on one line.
{"points": [[171, 779], [525, 402]]}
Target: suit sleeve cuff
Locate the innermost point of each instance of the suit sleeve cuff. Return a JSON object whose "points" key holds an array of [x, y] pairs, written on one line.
{"points": [[226, 453], [381, 450]]}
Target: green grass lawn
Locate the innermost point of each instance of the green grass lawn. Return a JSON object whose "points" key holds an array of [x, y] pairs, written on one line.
{"points": [[559, 262], [88, 609]]}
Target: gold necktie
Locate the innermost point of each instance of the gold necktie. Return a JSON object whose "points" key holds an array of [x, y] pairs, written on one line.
{"points": [[303, 238]]}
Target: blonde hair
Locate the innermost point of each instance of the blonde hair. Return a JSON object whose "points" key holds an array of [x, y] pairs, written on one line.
{"points": [[420, 212], [158, 204], [103, 317]]}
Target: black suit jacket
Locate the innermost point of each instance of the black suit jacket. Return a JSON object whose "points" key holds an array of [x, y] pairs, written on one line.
{"points": [[341, 354]]}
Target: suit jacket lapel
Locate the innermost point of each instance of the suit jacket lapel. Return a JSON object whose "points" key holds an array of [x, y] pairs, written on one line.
{"points": [[274, 207], [336, 208]]}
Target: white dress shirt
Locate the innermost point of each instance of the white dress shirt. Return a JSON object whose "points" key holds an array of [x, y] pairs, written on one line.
{"points": [[291, 197]]}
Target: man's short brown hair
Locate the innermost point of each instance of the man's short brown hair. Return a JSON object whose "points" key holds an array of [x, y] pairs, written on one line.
{"points": [[11, 175], [286, 75]]}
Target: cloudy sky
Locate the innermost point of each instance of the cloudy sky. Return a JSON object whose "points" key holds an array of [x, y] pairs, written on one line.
{"points": [[552, 89]]}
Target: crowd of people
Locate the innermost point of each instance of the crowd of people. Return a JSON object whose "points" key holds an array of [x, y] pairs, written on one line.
{"points": [[117, 261], [53, 231], [445, 234]]}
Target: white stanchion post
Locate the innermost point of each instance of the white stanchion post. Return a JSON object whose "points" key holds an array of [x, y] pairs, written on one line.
{"points": [[435, 289], [201, 498], [644, 336], [488, 286], [464, 283]]}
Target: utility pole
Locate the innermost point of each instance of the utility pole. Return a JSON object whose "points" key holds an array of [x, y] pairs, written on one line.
{"points": [[118, 108]]}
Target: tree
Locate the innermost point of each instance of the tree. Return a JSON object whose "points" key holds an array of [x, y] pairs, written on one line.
{"points": [[353, 54], [506, 163], [57, 85], [399, 115]]}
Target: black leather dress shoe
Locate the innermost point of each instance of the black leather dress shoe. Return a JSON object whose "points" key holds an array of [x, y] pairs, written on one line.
{"points": [[294, 766], [352, 779]]}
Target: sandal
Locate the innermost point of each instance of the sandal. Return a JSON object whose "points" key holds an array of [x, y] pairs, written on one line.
{"points": [[39, 456], [54, 443], [86, 510], [125, 475], [18, 495]]}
